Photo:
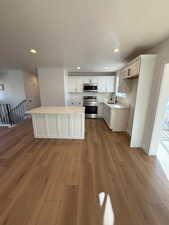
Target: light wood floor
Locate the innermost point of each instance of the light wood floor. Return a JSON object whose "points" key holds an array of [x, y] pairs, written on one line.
{"points": [[58, 182]]}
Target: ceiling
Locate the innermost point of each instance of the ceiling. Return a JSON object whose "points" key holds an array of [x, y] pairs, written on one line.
{"points": [[71, 33]]}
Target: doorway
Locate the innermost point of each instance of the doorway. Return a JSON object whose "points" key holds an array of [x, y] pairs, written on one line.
{"points": [[163, 148], [160, 137]]}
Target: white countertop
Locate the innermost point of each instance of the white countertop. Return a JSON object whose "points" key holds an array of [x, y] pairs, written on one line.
{"points": [[117, 106], [56, 110]]}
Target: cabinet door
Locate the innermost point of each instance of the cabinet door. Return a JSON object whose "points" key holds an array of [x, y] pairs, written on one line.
{"points": [[71, 84], [110, 84], [82, 81], [103, 111], [79, 84], [100, 110], [109, 117], [75, 84], [119, 118], [123, 84], [93, 79], [101, 84], [107, 114], [135, 68], [124, 72]]}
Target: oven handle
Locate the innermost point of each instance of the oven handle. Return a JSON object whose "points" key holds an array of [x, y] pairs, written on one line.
{"points": [[90, 104], [90, 90]]}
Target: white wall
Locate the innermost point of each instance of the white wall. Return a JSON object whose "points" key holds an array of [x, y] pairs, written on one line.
{"points": [[163, 58], [51, 83], [32, 91], [13, 82], [131, 98]]}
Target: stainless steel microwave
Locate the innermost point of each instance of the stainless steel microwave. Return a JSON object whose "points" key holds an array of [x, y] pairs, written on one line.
{"points": [[90, 87]]}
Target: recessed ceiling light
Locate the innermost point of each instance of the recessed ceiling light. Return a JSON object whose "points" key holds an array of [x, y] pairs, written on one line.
{"points": [[78, 67], [106, 67], [33, 51], [116, 50]]}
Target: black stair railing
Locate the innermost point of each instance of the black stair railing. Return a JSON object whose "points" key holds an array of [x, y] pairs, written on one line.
{"points": [[11, 116], [5, 115], [18, 112]]}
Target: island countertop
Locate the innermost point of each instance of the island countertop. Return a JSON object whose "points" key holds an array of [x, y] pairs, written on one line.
{"points": [[57, 110]]}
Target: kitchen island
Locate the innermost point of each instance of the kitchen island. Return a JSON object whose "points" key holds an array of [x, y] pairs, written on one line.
{"points": [[58, 122]]}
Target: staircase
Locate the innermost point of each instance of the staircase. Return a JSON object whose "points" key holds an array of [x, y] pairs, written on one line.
{"points": [[10, 116]]}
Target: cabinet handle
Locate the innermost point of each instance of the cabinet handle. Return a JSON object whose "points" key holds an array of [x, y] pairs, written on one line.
{"points": [[129, 72]]}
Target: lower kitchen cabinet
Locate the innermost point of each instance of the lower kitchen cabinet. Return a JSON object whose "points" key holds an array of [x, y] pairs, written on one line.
{"points": [[116, 116], [107, 114]]}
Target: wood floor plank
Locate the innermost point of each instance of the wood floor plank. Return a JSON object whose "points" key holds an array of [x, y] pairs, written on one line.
{"points": [[50, 213]]}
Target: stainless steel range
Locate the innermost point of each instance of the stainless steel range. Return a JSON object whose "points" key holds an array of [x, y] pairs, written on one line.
{"points": [[91, 105]]}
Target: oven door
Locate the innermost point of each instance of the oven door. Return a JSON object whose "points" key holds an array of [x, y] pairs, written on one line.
{"points": [[91, 110], [90, 88]]}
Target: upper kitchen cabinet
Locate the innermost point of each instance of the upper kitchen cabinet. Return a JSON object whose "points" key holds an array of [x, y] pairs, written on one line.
{"points": [[72, 86], [80, 81], [110, 84], [75, 83], [130, 71], [101, 84], [93, 80], [133, 69], [105, 83]]}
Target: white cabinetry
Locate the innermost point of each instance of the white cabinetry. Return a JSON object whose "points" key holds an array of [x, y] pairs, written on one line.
{"points": [[75, 84], [116, 116], [110, 84], [93, 79], [79, 85], [135, 67], [101, 84], [130, 71], [107, 114], [71, 84], [105, 83]]}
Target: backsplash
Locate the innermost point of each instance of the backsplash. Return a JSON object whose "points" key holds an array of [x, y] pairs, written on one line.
{"points": [[77, 98]]}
